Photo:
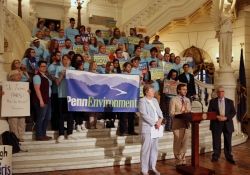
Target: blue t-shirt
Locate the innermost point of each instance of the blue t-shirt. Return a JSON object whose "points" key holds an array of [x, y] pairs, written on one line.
{"points": [[149, 59], [93, 50], [155, 84], [86, 66], [26, 63], [177, 67], [147, 46], [71, 33], [65, 51], [52, 72], [36, 29], [37, 80], [40, 52], [135, 72], [62, 92], [24, 78], [100, 40], [61, 41]]}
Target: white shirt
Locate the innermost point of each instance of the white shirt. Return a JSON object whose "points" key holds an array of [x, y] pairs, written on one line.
{"points": [[154, 108]]}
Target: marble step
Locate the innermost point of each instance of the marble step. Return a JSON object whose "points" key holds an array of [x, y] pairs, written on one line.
{"points": [[93, 150], [97, 141], [102, 160], [94, 132]]}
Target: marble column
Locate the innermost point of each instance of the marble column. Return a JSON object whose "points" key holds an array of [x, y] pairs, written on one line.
{"points": [[4, 126]]}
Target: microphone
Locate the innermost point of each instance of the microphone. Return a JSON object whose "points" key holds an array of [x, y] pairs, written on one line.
{"points": [[197, 99]]}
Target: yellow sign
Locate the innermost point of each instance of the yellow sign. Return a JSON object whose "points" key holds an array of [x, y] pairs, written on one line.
{"points": [[156, 73], [145, 53], [121, 63], [53, 34], [78, 49], [141, 30], [161, 46], [133, 40], [105, 34], [141, 91], [111, 49], [101, 59], [110, 23]]}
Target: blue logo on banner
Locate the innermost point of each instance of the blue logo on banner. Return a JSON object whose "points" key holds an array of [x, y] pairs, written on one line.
{"points": [[92, 92]]}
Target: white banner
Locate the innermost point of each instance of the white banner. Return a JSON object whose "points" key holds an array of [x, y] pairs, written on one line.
{"points": [[5, 160], [16, 99]]}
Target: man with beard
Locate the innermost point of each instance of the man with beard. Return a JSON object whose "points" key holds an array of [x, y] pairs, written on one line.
{"points": [[147, 45], [52, 70], [117, 35], [67, 47]]}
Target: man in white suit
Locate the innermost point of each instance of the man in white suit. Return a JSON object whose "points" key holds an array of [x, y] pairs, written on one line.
{"points": [[151, 116]]}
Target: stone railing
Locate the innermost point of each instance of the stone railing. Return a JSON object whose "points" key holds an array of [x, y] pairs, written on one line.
{"points": [[202, 88], [161, 12], [17, 31]]}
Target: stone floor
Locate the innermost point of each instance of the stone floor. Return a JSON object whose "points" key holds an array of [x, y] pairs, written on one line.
{"points": [[241, 155]]}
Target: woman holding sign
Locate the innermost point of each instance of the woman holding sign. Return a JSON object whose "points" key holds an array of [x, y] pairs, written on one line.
{"points": [[93, 46], [150, 120]]}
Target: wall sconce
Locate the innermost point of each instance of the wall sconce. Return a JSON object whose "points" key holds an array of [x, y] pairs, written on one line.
{"points": [[217, 57]]}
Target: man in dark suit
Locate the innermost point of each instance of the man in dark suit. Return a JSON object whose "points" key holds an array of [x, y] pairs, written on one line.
{"points": [[188, 78], [225, 110]]}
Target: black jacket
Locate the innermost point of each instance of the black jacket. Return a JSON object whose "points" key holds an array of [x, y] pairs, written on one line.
{"points": [[190, 85]]}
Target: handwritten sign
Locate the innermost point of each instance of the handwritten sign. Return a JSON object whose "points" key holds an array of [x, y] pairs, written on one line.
{"points": [[190, 70], [143, 67], [141, 91], [145, 53], [121, 63], [170, 86], [133, 40], [5, 159], [111, 49], [167, 67], [156, 73], [53, 34], [16, 99], [110, 23], [161, 46], [101, 59], [78, 49], [105, 34]]}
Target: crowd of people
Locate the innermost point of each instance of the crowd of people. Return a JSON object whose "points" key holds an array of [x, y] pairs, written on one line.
{"points": [[51, 53]]}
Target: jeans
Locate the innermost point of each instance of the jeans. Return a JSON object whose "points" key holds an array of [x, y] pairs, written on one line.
{"points": [[63, 105], [43, 116]]}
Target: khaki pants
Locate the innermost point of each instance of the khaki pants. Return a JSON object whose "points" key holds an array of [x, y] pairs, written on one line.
{"points": [[180, 145], [157, 96], [93, 116], [17, 126]]}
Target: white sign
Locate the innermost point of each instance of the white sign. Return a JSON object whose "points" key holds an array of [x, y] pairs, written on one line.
{"points": [[16, 99], [5, 160]]}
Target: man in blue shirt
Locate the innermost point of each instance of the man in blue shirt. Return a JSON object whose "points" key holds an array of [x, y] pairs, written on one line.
{"points": [[153, 52], [99, 38], [39, 50], [62, 99], [156, 41], [131, 47], [147, 45], [71, 32], [67, 47]]}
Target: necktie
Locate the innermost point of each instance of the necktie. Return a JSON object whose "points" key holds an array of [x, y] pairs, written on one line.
{"points": [[184, 106], [221, 108]]}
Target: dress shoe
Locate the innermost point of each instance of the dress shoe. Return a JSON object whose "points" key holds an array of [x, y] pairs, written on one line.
{"points": [[48, 137], [42, 139], [155, 172], [214, 160], [133, 133], [232, 161], [144, 173]]}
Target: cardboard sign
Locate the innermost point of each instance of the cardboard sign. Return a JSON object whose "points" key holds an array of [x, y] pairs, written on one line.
{"points": [[133, 40], [78, 49], [156, 73], [105, 34], [111, 49], [53, 34], [161, 46], [145, 53], [110, 23], [101, 59], [141, 91], [170, 86], [16, 99], [141, 29], [143, 67], [167, 67], [5, 160], [121, 63]]}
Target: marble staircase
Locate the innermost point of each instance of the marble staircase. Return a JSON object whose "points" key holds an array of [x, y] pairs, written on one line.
{"points": [[96, 148]]}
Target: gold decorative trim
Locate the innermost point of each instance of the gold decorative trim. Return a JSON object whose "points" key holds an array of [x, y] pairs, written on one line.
{"points": [[204, 116]]}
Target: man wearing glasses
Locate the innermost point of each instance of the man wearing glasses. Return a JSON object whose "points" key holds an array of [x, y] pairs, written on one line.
{"points": [[225, 110]]}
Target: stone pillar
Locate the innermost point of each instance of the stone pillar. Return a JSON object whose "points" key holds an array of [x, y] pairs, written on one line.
{"points": [[228, 81], [4, 126]]}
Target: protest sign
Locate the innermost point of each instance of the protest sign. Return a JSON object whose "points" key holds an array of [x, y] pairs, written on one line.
{"points": [[141, 29], [143, 67], [5, 160], [110, 49], [93, 92], [16, 99], [78, 49], [121, 63], [167, 67], [145, 53], [105, 34], [141, 91], [101, 58], [53, 34], [170, 86], [133, 40], [156, 73], [161, 46]]}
